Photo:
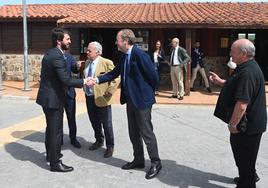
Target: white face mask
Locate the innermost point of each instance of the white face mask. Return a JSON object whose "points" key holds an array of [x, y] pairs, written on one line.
{"points": [[231, 64]]}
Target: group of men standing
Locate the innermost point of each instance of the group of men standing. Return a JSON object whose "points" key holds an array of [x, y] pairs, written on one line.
{"points": [[138, 82], [242, 95]]}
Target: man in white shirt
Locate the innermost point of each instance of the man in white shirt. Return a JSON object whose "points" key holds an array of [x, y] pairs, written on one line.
{"points": [[178, 59]]}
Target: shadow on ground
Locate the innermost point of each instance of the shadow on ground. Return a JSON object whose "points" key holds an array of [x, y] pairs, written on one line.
{"points": [[172, 174]]}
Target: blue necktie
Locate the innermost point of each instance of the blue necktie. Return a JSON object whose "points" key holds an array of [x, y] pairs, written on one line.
{"points": [[126, 65], [89, 74]]}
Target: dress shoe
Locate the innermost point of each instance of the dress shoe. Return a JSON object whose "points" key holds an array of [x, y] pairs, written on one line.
{"points": [[173, 96], [209, 90], [132, 165], [180, 98], [108, 152], [48, 157], [60, 167], [236, 179], [154, 170], [95, 146], [75, 143], [192, 89]]}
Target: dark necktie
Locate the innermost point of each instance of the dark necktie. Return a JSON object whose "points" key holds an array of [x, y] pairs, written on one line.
{"points": [[89, 74], [125, 74], [172, 57]]}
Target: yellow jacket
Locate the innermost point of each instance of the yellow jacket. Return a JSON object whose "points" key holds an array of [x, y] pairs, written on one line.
{"points": [[104, 65]]}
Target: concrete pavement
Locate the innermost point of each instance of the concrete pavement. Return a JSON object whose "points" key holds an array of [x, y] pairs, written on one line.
{"points": [[193, 145]]}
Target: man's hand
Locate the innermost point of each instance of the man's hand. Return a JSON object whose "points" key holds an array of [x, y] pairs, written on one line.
{"points": [[79, 64], [89, 81], [215, 79], [233, 129]]}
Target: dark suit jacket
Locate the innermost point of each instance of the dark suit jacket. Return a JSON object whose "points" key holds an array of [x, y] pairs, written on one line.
{"points": [[72, 68], [54, 80], [197, 58], [141, 81]]}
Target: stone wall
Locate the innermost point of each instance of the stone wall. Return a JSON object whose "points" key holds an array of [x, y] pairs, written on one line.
{"points": [[13, 66]]}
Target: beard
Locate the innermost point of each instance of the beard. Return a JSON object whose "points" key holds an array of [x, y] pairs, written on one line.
{"points": [[64, 46]]}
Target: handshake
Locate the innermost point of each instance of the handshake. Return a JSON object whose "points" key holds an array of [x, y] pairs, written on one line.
{"points": [[90, 81]]}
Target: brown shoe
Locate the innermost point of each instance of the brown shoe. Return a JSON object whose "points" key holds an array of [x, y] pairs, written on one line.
{"points": [[95, 146], [108, 153]]}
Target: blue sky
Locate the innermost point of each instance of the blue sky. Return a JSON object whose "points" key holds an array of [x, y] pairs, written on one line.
{"points": [[10, 2]]}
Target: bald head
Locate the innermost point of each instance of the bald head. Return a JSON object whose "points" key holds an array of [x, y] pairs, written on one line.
{"points": [[242, 50]]}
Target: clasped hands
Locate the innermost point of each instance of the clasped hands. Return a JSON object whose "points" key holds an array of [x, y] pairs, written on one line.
{"points": [[90, 81]]}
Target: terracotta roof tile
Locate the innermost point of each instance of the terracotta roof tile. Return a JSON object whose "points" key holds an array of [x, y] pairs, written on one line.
{"points": [[176, 14]]}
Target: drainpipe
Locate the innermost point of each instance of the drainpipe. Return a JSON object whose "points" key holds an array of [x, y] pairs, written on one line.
{"points": [[25, 45], [1, 83]]}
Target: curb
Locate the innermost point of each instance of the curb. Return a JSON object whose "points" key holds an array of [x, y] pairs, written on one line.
{"points": [[13, 97]]}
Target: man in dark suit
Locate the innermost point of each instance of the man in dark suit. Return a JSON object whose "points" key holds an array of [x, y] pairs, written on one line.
{"points": [[70, 105], [52, 95], [138, 78]]}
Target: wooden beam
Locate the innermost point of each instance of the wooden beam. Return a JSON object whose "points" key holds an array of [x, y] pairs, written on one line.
{"points": [[188, 42]]}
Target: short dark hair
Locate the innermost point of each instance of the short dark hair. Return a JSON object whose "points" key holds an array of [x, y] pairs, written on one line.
{"points": [[58, 34]]}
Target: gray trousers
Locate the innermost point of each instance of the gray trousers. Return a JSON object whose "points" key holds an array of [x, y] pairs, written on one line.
{"points": [[140, 128]]}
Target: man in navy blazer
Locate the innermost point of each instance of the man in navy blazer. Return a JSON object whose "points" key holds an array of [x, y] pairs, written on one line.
{"points": [[138, 81], [70, 105]]}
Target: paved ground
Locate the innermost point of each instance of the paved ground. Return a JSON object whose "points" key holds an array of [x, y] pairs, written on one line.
{"points": [[194, 148]]}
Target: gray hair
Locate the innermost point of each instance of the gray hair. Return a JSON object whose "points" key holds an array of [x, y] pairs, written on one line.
{"points": [[128, 34], [97, 45], [248, 47]]}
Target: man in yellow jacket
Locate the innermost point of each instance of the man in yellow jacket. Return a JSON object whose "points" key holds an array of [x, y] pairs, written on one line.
{"points": [[99, 98]]}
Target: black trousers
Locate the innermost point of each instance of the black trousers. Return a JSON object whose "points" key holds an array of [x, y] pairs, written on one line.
{"points": [[101, 117], [245, 150], [70, 109], [140, 128], [54, 120]]}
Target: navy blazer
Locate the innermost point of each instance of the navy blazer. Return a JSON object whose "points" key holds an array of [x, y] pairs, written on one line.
{"points": [[141, 79], [54, 80]]}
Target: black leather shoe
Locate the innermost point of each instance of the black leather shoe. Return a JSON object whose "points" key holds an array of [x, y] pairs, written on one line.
{"points": [[236, 179], [75, 143], [132, 165], [154, 170], [95, 146], [209, 90], [108, 153], [180, 98], [60, 167], [192, 89], [48, 158], [173, 96]]}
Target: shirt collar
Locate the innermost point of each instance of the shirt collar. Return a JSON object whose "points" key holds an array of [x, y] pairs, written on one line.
{"points": [[129, 50]]}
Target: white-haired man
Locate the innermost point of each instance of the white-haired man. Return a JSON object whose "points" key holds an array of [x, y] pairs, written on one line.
{"points": [[99, 98]]}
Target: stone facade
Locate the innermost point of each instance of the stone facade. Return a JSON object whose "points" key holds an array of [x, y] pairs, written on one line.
{"points": [[13, 66]]}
